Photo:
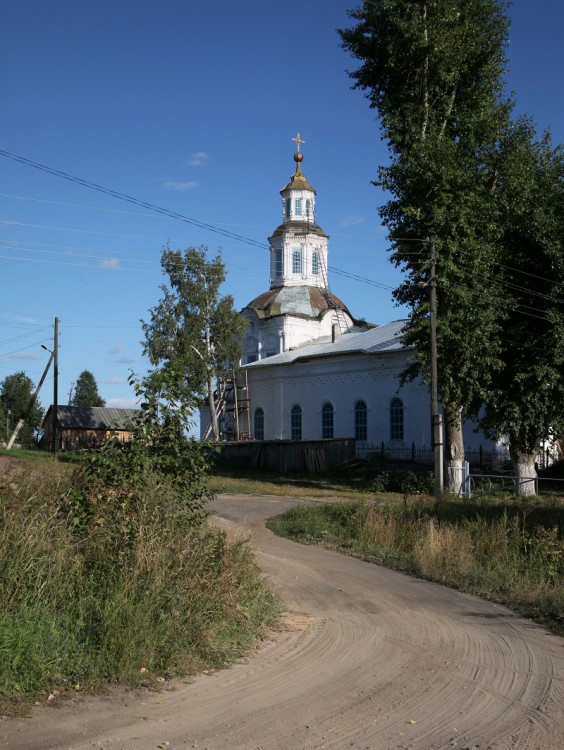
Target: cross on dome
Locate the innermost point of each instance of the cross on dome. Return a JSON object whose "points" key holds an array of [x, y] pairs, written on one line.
{"points": [[298, 140]]}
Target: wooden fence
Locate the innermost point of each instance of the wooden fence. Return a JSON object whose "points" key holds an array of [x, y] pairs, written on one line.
{"points": [[313, 456]]}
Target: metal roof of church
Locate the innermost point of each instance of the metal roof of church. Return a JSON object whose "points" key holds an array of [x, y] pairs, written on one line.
{"points": [[386, 338], [299, 301]]}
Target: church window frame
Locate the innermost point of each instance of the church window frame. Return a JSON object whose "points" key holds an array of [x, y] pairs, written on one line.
{"points": [[298, 207], [315, 263], [397, 422], [288, 209], [296, 261], [296, 422], [258, 423], [327, 421], [278, 265], [308, 211], [360, 419]]}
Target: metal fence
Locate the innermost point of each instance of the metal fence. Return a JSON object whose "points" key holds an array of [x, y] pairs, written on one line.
{"points": [[476, 485], [423, 456]]}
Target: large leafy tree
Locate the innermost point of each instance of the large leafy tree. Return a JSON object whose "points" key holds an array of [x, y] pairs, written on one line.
{"points": [[16, 392], [433, 70], [526, 400], [86, 391], [194, 334]]}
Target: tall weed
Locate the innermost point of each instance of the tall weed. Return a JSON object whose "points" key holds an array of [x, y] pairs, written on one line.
{"points": [[506, 553], [133, 596]]}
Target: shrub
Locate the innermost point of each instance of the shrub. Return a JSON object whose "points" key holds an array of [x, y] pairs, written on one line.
{"points": [[113, 573], [407, 482]]}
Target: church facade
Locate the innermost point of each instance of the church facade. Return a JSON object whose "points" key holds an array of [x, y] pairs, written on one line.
{"points": [[312, 371]]}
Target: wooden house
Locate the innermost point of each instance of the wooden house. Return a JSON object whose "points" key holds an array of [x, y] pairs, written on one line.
{"points": [[81, 427]]}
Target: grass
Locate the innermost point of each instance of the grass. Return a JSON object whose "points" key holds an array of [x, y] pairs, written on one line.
{"points": [[78, 614], [501, 550], [33, 455], [232, 480]]}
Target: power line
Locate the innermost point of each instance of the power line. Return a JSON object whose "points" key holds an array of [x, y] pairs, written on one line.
{"points": [[130, 199]]}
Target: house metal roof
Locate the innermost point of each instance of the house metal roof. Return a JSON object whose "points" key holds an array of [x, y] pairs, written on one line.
{"points": [[93, 417], [386, 338]]}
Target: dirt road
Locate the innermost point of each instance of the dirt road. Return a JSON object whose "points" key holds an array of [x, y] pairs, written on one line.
{"points": [[371, 659]]}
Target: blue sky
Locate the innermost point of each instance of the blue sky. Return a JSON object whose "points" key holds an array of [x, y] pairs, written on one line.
{"points": [[190, 106]]}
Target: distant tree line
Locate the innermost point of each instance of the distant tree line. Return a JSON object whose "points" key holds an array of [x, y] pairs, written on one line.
{"points": [[16, 391]]}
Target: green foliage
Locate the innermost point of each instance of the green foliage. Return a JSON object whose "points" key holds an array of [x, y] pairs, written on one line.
{"points": [[407, 482], [194, 333], [111, 495], [433, 70], [430, 68], [526, 400], [15, 395], [86, 391], [508, 552], [489, 196], [118, 597]]}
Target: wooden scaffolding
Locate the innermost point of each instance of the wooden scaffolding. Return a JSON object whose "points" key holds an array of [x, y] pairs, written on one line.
{"points": [[233, 406]]}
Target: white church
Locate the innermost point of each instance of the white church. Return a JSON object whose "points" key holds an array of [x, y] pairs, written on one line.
{"points": [[311, 370]]}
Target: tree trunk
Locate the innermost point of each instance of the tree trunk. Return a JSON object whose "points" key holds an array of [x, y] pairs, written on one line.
{"points": [[524, 471], [454, 448], [213, 409]]}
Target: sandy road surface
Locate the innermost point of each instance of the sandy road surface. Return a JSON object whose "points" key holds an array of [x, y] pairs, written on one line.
{"points": [[378, 660]]}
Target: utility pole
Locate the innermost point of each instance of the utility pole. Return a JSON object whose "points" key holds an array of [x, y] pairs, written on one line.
{"points": [[55, 385], [30, 405], [436, 418], [55, 356]]}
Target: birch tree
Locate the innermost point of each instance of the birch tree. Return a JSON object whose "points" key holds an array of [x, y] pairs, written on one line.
{"points": [[194, 333]]}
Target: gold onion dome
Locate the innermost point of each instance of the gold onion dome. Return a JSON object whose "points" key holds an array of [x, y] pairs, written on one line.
{"points": [[298, 180]]}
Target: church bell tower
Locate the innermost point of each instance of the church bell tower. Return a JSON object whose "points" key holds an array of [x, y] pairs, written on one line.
{"points": [[298, 247]]}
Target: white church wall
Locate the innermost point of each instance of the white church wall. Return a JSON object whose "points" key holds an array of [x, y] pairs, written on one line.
{"points": [[342, 382]]}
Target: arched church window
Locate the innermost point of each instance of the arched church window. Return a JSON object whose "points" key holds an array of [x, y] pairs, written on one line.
{"points": [[396, 419], [298, 207], [360, 420], [259, 424], [315, 263], [327, 421], [288, 208], [296, 422], [308, 210], [297, 261]]}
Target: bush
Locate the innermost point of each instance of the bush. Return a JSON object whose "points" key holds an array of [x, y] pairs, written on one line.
{"points": [[407, 482], [113, 573]]}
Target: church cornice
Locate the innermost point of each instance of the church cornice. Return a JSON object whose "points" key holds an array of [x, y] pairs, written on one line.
{"points": [[298, 228]]}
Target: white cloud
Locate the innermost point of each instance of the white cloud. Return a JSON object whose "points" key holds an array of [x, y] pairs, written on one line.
{"points": [[117, 348], [199, 159], [112, 263], [352, 221], [174, 185], [126, 361], [114, 381], [122, 403]]}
